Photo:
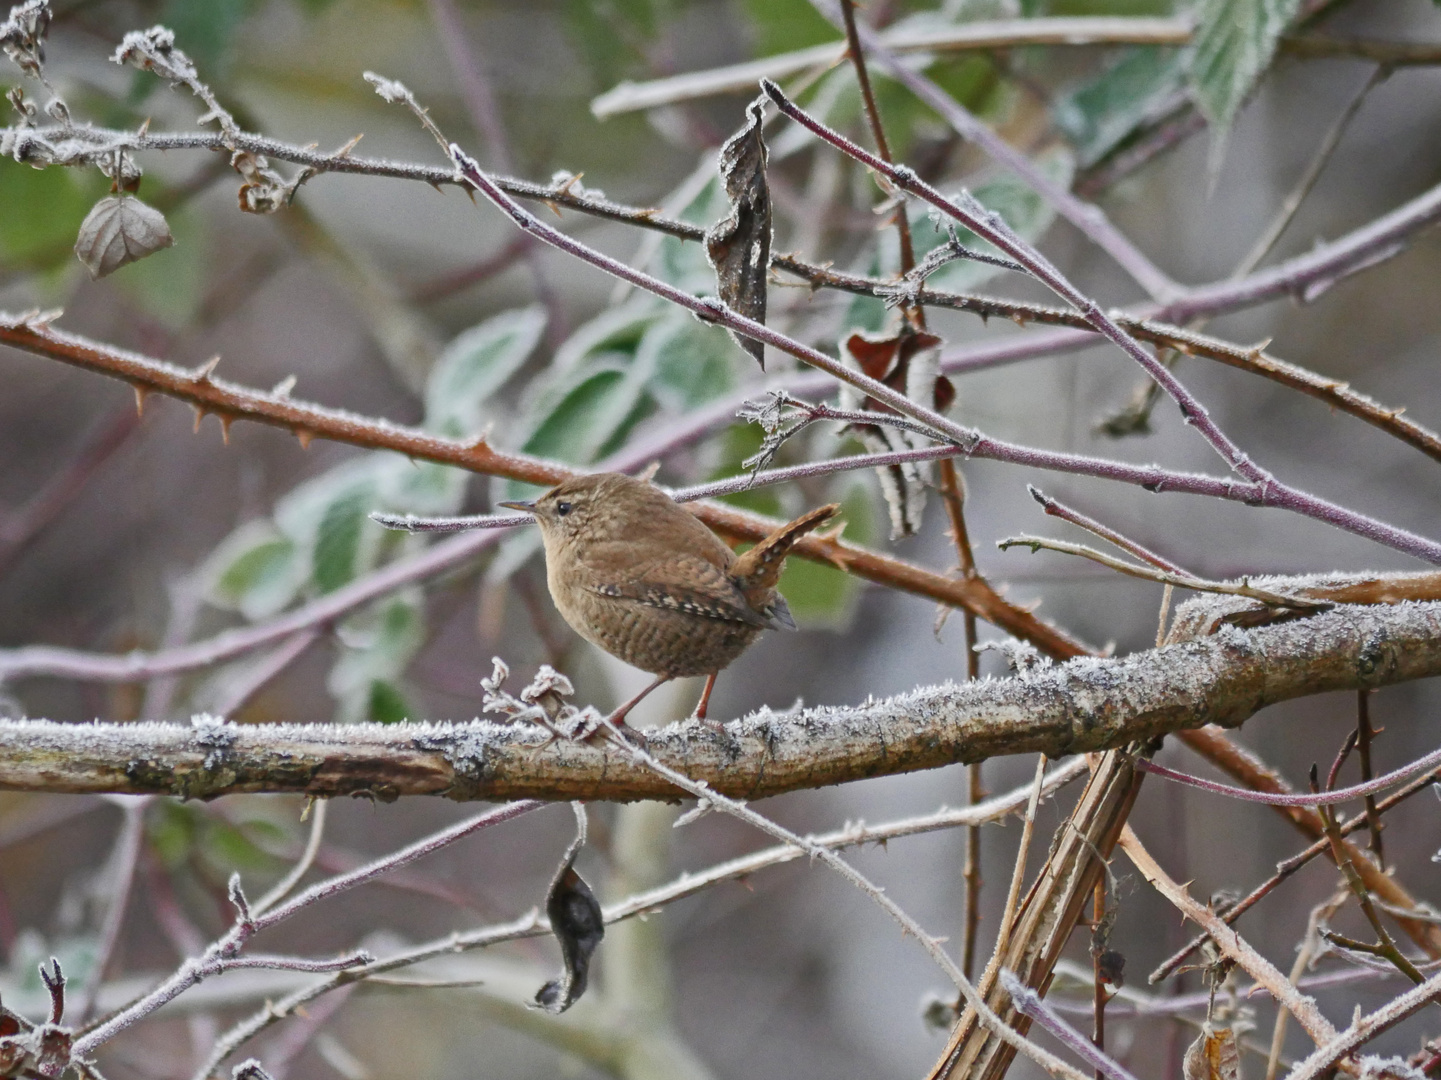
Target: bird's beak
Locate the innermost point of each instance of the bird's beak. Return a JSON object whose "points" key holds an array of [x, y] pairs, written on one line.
{"points": [[528, 507]]}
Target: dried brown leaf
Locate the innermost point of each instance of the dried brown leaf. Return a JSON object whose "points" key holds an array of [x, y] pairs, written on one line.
{"points": [[739, 245], [120, 229]]}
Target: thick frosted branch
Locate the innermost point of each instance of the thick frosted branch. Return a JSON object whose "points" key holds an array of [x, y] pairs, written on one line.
{"points": [[1084, 705]]}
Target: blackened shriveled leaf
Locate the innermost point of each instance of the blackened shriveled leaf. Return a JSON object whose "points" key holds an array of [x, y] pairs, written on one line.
{"points": [[578, 924], [120, 229], [739, 245]]}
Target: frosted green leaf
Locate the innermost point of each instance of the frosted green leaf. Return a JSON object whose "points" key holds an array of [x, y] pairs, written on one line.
{"points": [[1099, 114], [256, 571], [475, 365], [1234, 43], [691, 363], [378, 643]]}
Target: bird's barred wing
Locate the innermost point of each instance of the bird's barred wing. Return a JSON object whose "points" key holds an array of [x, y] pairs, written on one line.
{"points": [[683, 583]]}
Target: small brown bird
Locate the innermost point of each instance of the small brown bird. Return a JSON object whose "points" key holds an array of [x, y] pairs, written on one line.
{"points": [[637, 574]]}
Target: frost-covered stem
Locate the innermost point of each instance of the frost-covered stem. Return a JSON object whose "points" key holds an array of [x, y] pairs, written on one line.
{"points": [[1089, 704], [30, 661], [210, 962], [1089, 219], [1018, 871], [1259, 487], [707, 309], [1147, 573], [528, 925], [1264, 488], [232, 401], [993, 1023], [324, 890], [1230, 943], [318, 813], [223, 953], [1306, 276], [688, 884], [1325, 1057], [1328, 263], [1313, 798], [299, 963], [992, 228], [1289, 866], [127, 856], [1029, 1002], [1056, 508], [715, 489]]}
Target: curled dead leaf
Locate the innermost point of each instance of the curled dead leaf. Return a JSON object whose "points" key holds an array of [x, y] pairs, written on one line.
{"points": [[120, 229]]}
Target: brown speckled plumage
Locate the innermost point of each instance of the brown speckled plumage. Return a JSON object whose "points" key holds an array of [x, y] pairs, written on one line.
{"points": [[640, 576]]}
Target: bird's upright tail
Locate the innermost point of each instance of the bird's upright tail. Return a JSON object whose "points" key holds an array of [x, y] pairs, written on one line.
{"points": [[758, 570]]}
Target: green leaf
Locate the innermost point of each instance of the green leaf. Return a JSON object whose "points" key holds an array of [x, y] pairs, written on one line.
{"points": [[386, 705], [420, 487], [379, 643], [1234, 43], [336, 557], [691, 363], [618, 330], [1023, 209], [475, 365], [588, 414], [256, 571], [172, 828], [326, 518], [1099, 114]]}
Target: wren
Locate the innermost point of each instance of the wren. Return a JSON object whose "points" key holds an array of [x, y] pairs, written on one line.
{"points": [[636, 573]]}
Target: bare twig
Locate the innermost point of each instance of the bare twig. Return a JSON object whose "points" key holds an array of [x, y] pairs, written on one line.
{"points": [[279, 890], [532, 925], [1262, 486], [1289, 866], [1018, 873], [993, 1023], [1089, 219], [1230, 943], [224, 952], [1366, 1028], [1181, 581], [1364, 734], [1056, 508], [125, 857], [1425, 764]]}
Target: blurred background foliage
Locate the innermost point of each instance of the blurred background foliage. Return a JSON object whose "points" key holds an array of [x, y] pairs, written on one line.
{"points": [[389, 299]]}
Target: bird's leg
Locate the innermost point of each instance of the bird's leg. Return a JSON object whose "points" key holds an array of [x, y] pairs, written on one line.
{"points": [[617, 718], [700, 709]]}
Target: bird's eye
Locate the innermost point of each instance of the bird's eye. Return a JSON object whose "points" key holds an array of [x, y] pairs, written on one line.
{"points": [[562, 508]]}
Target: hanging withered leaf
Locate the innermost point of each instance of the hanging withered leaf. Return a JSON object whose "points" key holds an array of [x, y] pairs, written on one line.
{"points": [[907, 361], [1213, 1056], [739, 245], [578, 925], [120, 229]]}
